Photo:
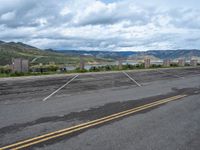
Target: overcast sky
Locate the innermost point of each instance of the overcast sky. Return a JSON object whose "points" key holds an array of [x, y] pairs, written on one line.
{"points": [[132, 25]]}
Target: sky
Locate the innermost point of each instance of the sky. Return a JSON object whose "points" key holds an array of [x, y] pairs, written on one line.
{"points": [[109, 25]]}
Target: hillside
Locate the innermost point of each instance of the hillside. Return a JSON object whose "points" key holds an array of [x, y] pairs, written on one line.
{"points": [[141, 57], [99, 54], [174, 54], [9, 50], [154, 54], [34, 55]]}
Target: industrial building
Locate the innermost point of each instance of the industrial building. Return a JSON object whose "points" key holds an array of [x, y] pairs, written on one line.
{"points": [[193, 62], [82, 63], [147, 63], [20, 65], [166, 63], [181, 62]]}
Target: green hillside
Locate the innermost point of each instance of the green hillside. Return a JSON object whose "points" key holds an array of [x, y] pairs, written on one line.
{"points": [[35, 56]]}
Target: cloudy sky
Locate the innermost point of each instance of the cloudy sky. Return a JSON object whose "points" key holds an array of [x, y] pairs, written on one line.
{"points": [[102, 24]]}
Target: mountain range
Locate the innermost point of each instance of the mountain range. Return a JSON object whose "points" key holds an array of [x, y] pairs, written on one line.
{"points": [[135, 55], [9, 50]]}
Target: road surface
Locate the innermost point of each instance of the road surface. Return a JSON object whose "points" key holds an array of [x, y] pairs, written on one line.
{"points": [[131, 110]]}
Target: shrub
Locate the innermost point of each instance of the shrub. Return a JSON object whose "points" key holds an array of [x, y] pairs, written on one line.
{"points": [[80, 70], [5, 69], [94, 69], [173, 65]]}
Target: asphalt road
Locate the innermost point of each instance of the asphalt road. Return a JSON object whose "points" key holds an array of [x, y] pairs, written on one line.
{"points": [[174, 125]]}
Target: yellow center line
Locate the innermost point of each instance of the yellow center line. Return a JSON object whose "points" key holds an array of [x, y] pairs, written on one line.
{"points": [[82, 126]]}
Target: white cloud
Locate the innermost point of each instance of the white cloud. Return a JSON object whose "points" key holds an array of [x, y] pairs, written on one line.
{"points": [[65, 11], [40, 21], [96, 25], [8, 16]]}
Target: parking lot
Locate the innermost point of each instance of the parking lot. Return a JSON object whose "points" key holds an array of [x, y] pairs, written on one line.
{"points": [[35, 106], [38, 88]]}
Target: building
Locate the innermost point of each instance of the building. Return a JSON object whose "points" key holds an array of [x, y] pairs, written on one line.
{"points": [[25, 65], [82, 64], [120, 64], [166, 63], [193, 62], [181, 62], [20, 65], [147, 63]]}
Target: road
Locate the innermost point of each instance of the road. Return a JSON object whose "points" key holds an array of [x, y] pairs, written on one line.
{"points": [[155, 109]]}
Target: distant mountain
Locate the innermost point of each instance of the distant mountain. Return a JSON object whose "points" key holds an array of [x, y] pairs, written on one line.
{"points": [[1, 42], [141, 57], [9, 50], [99, 54], [174, 54], [154, 54]]}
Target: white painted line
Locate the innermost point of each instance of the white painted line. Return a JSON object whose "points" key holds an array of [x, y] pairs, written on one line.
{"points": [[60, 88], [170, 74], [132, 79]]}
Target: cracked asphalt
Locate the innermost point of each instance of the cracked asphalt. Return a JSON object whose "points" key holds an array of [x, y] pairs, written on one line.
{"points": [[174, 125]]}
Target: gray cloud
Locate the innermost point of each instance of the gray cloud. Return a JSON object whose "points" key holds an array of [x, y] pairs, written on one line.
{"points": [[98, 25]]}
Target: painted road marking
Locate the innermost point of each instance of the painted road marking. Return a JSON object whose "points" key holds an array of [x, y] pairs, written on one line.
{"points": [[60, 88], [169, 74], [73, 129], [132, 79]]}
